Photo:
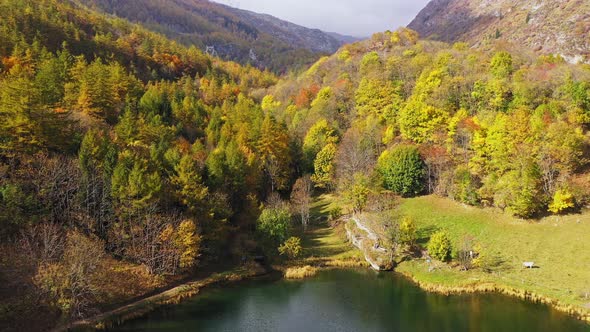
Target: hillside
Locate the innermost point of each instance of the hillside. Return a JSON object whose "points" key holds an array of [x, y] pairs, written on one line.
{"points": [[126, 161], [546, 26], [130, 161], [486, 127], [243, 36]]}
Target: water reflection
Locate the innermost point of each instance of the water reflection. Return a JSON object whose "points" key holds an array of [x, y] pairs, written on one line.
{"points": [[351, 301]]}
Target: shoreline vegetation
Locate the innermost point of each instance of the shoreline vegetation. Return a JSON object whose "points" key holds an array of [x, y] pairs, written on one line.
{"points": [[491, 287], [171, 296], [325, 247], [328, 247], [553, 243]]}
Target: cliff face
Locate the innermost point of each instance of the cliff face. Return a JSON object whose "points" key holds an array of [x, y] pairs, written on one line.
{"points": [[546, 26]]}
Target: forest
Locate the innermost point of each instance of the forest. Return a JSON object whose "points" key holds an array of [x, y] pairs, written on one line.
{"points": [[126, 156], [233, 34], [502, 128]]}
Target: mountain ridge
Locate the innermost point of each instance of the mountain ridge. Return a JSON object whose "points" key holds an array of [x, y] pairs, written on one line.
{"points": [[547, 27], [233, 34]]}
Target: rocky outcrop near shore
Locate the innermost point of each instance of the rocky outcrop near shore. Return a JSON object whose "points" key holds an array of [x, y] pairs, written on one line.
{"points": [[369, 242]]}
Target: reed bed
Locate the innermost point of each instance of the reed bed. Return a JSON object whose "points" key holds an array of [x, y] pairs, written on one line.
{"points": [[301, 272]]}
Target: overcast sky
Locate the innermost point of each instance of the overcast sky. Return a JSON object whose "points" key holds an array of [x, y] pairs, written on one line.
{"points": [[358, 18]]}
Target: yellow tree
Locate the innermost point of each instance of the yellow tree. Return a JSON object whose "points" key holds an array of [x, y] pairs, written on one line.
{"points": [[187, 241], [273, 150]]}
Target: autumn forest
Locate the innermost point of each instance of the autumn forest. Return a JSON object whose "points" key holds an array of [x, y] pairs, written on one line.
{"points": [[130, 161]]}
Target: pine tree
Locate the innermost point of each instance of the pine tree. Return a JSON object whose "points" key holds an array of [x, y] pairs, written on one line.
{"points": [[188, 184]]}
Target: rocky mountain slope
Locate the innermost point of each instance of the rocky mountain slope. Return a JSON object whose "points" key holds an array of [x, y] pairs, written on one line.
{"points": [[311, 39], [233, 34], [546, 26]]}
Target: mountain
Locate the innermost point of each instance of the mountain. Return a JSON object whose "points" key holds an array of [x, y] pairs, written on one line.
{"points": [[130, 162], [232, 34], [345, 38], [301, 37], [546, 26]]}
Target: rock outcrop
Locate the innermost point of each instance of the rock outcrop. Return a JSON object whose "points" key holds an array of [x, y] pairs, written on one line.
{"points": [[369, 242]]}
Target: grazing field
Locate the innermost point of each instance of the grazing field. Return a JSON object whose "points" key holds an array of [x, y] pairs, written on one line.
{"points": [[559, 247]]}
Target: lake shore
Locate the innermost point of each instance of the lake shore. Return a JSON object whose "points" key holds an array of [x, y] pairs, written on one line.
{"points": [[451, 282], [327, 247], [555, 244], [468, 286], [169, 297]]}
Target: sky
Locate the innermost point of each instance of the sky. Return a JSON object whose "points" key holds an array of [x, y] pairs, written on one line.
{"points": [[359, 18]]}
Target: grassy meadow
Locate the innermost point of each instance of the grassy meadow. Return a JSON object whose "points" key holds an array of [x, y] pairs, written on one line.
{"points": [[325, 243], [559, 246]]}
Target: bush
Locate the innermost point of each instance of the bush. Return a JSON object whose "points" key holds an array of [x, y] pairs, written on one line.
{"points": [[403, 170], [335, 213], [358, 194], [292, 247], [563, 200], [382, 201], [187, 242], [465, 187], [439, 246], [521, 191], [16, 209], [323, 176], [407, 229], [68, 283], [486, 260]]}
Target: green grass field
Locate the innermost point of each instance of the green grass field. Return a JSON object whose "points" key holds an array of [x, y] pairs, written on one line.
{"points": [[559, 246], [325, 243]]}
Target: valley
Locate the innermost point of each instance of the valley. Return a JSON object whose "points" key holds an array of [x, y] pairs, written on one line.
{"points": [[152, 150]]}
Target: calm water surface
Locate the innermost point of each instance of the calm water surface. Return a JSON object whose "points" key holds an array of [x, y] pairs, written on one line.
{"points": [[351, 301]]}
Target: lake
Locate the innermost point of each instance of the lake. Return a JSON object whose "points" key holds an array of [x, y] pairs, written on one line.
{"points": [[350, 300]]}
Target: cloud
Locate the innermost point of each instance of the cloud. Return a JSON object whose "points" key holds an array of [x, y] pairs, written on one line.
{"points": [[352, 17]]}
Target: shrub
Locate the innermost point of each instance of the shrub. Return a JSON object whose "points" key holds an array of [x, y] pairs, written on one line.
{"points": [[68, 282], [335, 213], [324, 167], [486, 260], [292, 247], [407, 229], [563, 200], [466, 252], [439, 246], [187, 242], [358, 194], [465, 187]]}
